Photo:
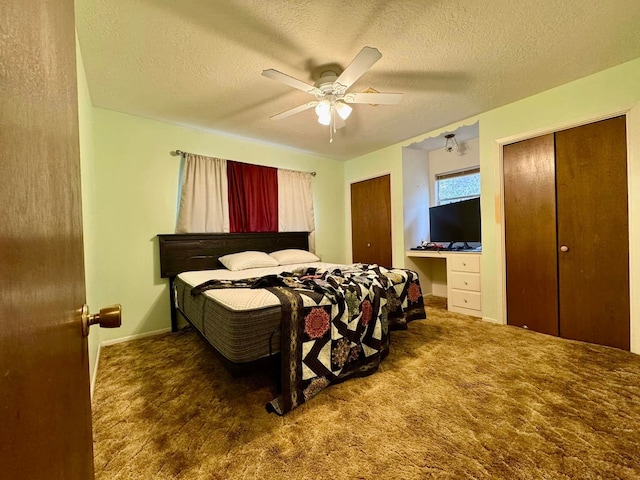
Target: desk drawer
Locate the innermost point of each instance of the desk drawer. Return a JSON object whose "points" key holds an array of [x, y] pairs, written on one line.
{"points": [[464, 263], [460, 298], [465, 281]]}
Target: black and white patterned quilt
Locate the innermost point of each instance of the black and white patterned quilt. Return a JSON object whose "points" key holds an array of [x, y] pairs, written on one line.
{"points": [[335, 323]]}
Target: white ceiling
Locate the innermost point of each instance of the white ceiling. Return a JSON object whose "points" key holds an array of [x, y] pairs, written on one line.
{"points": [[198, 62]]}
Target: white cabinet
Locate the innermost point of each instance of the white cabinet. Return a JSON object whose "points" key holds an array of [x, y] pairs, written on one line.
{"points": [[464, 294], [463, 283]]}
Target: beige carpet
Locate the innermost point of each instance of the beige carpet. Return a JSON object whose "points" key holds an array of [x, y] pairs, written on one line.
{"points": [[456, 398]]}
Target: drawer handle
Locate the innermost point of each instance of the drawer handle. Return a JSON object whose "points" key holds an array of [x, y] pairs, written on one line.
{"points": [[466, 283], [464, 264], [465, 300]]}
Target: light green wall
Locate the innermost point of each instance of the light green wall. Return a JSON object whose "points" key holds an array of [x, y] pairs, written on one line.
{"points": [[136, 197], [381, 162], [87, 178], [606, 93]]}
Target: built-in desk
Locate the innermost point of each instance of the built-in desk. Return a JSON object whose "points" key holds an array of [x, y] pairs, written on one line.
{"points": [[455, 275]]}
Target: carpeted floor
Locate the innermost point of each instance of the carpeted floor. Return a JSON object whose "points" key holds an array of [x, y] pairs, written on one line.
{"points": [[456, 398]]}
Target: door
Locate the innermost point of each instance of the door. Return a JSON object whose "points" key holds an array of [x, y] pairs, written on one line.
{"points": [[566, 233], [371, 221], [530, 234], [45, 411], [593, 233]]}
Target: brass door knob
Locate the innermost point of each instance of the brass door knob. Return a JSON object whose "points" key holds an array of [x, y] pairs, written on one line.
{"points": [[109, 317]]}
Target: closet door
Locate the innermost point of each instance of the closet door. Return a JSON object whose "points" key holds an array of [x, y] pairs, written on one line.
{"points": [[371, 221], [530, 234], [593, 233]]}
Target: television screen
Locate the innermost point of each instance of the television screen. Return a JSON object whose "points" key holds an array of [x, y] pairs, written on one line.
{"points": [[456, 222]]}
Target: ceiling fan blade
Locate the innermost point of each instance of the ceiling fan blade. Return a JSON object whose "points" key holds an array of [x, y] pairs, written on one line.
{"points": [[293, 111], [358, 66], [374, 98], [287, 80]]}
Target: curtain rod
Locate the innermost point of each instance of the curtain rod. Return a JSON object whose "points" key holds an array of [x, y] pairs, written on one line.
{"points": [[182, 153]]}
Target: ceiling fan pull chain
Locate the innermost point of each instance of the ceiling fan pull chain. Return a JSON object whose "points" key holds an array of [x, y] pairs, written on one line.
{"points": [[332, 123], [333, 118]]}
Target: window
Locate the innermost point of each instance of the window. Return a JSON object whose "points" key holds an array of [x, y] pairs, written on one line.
{"points": [[457, 185]]}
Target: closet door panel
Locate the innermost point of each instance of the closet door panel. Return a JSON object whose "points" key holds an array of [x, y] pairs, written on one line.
{"points": [[371, 221], [593, 269], [530, 234]]}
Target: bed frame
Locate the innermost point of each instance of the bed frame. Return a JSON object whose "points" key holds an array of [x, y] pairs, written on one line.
{"points": [[192, 252], [186, 252]]}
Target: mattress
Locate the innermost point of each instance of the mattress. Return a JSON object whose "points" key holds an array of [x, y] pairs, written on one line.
{"points": [[242, 324]]}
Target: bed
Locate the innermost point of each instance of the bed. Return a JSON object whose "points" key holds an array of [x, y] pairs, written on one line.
{"points": [[247, 326]]}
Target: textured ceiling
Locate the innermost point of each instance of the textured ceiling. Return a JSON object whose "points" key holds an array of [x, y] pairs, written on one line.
{"points": [[198, 62]]}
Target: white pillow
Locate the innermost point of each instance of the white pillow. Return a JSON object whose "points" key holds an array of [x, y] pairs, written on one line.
{"points": [[249, 259], [293, 255]]}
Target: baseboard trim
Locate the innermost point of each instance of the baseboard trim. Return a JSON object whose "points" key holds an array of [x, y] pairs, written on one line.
{"points": [[492, 320], [137, 336], [94, 374]]}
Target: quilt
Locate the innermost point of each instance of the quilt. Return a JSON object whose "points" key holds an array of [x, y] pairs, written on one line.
{"points": [[335, 323]]}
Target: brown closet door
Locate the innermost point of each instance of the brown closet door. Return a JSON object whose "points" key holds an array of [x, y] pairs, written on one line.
{"points": [[530, 234], [591, 169], [371, 221]]}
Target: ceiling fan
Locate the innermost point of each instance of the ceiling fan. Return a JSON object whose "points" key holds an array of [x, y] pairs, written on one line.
{"points": [[332, 100]]}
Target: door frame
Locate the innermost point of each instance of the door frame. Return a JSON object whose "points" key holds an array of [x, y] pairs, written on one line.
{"points": [[632, 117], [348, 211]]}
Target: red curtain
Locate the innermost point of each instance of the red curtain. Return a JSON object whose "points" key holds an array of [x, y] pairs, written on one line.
{"points": [[253, 197]]}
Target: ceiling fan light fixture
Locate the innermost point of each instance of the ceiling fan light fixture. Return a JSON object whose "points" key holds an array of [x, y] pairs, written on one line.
{"points": [[332, 105], [323, 108], [343, 110], [324, 119]]}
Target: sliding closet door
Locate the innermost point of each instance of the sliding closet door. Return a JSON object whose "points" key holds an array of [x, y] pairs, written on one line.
{"points": [[593, 233], [530, 231]]}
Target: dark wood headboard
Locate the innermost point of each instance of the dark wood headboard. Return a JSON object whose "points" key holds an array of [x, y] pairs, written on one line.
{"points": [[185, 252]]}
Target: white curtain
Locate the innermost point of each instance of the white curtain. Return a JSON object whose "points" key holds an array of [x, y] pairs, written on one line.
{"points": [[295, 204], [204, 205]]}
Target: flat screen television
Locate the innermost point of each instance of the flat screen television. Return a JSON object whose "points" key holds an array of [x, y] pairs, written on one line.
{"points": [[456, 222]]}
